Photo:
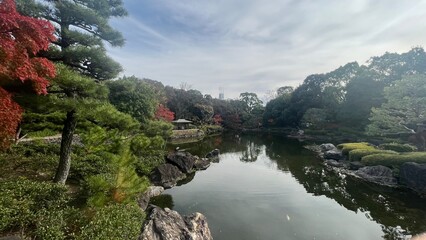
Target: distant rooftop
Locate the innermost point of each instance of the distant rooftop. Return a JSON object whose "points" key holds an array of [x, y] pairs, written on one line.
{"points": [[181, 121]]}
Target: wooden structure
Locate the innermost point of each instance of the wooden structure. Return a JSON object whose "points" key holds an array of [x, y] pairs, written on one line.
{"points": [[181, 124]]}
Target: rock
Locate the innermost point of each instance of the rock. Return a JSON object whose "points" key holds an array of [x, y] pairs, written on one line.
{"points": [[168, 224], [355, 165], [183, 160], [166, 175], [327, 147], [144, 198], [333, 154], [201, 164], [413, 175], [334, 163], [377, 174], [213, 154], [197, 225]]}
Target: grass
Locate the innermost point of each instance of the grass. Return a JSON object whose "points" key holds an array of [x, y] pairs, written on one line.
{"points": [[394, 160]]}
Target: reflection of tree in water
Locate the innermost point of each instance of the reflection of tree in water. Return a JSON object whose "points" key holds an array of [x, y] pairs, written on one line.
{"points": [[251, 152], [386, 206]]}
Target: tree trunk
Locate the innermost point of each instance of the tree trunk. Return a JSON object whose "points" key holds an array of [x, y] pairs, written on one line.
{"points": [[65, 154], [18, 133]]}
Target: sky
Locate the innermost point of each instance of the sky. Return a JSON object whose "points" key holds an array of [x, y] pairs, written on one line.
{"points": [[260, 45]]}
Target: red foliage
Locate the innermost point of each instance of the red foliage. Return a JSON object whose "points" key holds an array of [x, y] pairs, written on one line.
{"points": [[10, 116], [164, 114], [217, 119], [21, 38]]}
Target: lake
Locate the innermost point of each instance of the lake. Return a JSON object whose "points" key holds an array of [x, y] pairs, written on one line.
{"points": [[270, 187]]}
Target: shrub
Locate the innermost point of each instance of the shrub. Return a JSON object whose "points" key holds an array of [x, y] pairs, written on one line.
{"points": [[116, 221], [50, 225], [357, 154], [347, 147], [21, 201], [393, 160], [84, 166], [144, 165], [209, 129], [398, 147]]}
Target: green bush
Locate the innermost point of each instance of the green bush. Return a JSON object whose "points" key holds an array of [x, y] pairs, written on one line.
{"points": [[116, 221], [21, 201], [50, 225], [358, 154], [347, 147], [84, 166], [398, 147], [158, 128], [393, 160], [144, 165], [209, 129]]}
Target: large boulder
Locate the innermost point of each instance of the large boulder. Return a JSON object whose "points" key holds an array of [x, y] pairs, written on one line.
{"points": [[333, 154], [201, 164], [183, 160], [355, 165], [413, 175], [377, 174], [213, 155], [334, 163], [166, 175], [151, 192], [327, 147], [168, 224]]}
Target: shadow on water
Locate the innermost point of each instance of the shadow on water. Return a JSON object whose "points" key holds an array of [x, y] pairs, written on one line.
{"points": [[386, 206]]}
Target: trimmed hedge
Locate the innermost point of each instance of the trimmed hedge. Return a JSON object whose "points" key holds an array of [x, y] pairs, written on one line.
{"points": [[398, 147], [393, 160], [358, 154], [347, 147], [22, 201], [118, 221]]}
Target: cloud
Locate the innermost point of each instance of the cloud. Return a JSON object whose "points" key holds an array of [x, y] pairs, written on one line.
{"points": [[256, 46]]}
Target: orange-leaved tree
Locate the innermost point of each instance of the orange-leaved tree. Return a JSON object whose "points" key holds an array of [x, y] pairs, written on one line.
{"points": [[21, 38], [163, 113]]}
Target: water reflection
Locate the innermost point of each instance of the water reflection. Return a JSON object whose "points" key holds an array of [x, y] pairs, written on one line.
{"points": [[251, 152], [388, 207]]}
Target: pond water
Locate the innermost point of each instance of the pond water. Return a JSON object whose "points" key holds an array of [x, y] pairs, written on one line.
{"points": [[270, 187]]}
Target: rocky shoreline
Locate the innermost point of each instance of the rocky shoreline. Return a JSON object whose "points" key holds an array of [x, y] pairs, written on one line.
{"points": [[411, 175], [165, 224]]}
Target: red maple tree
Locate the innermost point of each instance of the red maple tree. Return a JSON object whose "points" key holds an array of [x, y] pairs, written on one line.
{"points": [[21, 38], [163, 113], [217, 119]]}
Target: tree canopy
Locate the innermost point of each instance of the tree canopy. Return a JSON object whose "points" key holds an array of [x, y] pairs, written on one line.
{"points": [[82, 28], [21, 39], [403, 109]]}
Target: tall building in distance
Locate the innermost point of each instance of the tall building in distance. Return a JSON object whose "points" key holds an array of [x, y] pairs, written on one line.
{"points": [[221, 93]]}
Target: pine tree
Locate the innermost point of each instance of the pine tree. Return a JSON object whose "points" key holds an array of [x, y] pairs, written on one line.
{"points": [[82, 29]]}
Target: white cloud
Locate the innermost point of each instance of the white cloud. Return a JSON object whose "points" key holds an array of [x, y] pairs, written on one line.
{"points": [[254, 45]]}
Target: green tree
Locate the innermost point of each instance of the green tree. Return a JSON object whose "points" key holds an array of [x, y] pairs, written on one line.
{"points": [[133, 96], [82, 29], [251, 101], [403, 109]]}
